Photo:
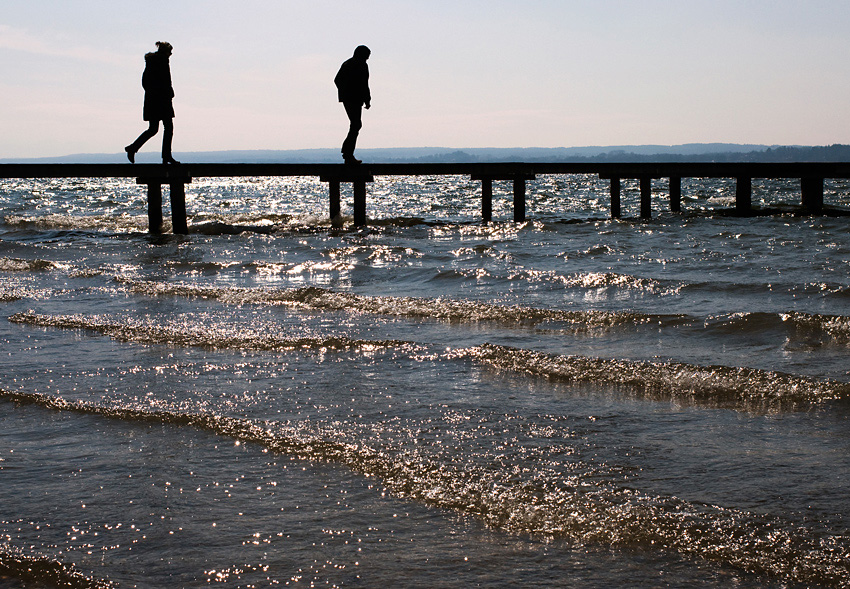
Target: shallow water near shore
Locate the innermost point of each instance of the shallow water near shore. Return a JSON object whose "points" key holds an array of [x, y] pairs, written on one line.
{"points": [[427, 401]]}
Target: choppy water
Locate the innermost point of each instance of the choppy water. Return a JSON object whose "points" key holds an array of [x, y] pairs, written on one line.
{"points": [[429, 401]]}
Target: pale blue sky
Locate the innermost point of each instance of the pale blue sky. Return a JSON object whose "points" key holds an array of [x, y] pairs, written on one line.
{"points": [[254, 74]]}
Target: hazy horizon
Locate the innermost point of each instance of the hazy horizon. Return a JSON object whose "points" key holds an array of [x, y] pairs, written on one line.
{"points": [[583, 150]]}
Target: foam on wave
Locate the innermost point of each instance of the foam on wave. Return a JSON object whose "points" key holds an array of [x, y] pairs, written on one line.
{"points": [[439, 308], [714, 384], [63, 222], [43, 571], [197, 336], [20, 265]]}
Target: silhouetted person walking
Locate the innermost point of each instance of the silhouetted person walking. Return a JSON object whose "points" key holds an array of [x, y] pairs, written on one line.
{"points": [[352, 82], [156, 80]]}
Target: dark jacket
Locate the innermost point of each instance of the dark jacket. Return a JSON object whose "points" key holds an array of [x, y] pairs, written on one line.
{"points": [[156, 80], [352, 81]]}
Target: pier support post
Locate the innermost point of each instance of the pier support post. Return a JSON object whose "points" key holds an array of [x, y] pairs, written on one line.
{"points": [[519, 180], [646, 197], [177, 194], [812, 189], [486, 199], [358, 179], [334, 197], [155, 207], [615, 198], [743, 194], [519, 200], [676, 194], [359, 202]]}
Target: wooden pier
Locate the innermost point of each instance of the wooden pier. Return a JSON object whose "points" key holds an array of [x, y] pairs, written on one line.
{"points": [[154, 176]]}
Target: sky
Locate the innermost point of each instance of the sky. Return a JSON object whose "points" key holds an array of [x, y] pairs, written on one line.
{"points": [[258, 74]]}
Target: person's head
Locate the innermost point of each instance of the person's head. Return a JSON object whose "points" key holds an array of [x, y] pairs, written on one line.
{"points": [[164, 47], [362, 53]]}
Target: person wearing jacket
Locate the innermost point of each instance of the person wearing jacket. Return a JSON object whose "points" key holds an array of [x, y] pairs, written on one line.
{"points": [[352, 83], [156, 80]]}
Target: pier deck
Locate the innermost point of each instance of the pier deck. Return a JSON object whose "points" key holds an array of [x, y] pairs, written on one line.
{"points": [[812, 175]]}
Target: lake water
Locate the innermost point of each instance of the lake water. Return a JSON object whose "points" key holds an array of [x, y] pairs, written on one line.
{"points": [[428, 401]]}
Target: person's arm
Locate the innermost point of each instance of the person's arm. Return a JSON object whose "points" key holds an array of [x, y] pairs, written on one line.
{"points": [[368, 102]]}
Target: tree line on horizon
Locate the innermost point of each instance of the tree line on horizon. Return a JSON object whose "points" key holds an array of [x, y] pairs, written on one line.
{"points": [[784, 154]]}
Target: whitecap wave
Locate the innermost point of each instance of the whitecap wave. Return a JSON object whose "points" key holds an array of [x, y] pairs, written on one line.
{"points": [[439, 308], [198, 335], [739, 387]]}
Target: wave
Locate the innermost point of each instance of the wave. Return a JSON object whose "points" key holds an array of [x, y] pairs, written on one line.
{"points": [[41, 570], [276, 223], [739, 388], [583, 280], [220, 228], [833, 329], [20, 265], [813, 329], [837, 327], [613, 279], [734, 387], [576, 506], [260, 219], [808, 290], [23, 266], [139, 223], [440, 308], [9, 295], [199, 336], [66, 222], [203, 224], [829, 328]]}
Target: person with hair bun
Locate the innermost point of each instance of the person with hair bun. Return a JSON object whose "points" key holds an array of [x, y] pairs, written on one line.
{"points": [[156, 80]]}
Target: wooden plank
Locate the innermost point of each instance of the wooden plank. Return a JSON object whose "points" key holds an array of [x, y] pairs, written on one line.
{"points": [[506, 170], [723, 169]]}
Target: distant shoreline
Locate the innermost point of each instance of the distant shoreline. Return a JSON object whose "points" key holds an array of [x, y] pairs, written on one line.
{"points": [[691, 152]]}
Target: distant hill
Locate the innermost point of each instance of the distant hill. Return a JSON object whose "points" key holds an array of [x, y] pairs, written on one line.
{"points": [[691, 152]]}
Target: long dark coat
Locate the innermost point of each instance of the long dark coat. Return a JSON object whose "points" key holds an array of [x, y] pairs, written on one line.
{"points": [[156, 80]]}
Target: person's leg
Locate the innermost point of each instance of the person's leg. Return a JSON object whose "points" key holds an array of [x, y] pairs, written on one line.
{"points": [[167, 135], [137, 144], [354, 112]]}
